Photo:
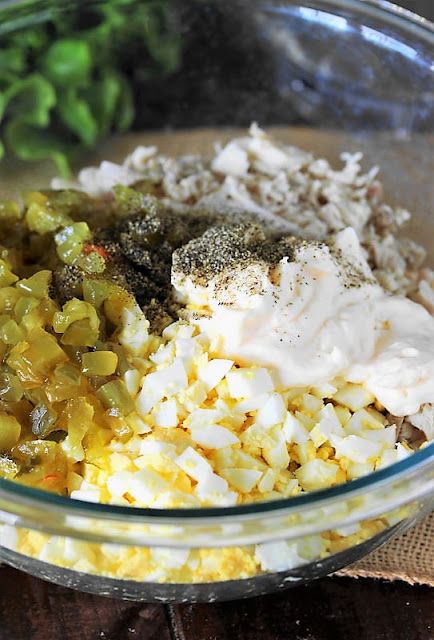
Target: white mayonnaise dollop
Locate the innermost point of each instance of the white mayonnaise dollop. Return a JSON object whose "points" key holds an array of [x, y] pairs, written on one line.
{"points": [[315, 316]]}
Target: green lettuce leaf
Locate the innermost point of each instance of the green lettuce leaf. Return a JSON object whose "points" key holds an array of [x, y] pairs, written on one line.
{"points": [[64, 86], [31, 99], [68, 62], [76, 114], [32, 143]]}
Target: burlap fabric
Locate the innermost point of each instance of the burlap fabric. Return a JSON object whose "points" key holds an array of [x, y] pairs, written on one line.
{"points": [[408, 557]]}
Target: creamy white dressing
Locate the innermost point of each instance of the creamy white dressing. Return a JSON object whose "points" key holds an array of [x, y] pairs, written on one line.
{"points": [[309, 324]]}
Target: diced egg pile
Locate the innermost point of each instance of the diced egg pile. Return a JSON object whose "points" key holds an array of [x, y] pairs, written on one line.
{"points": [[206, 431]]}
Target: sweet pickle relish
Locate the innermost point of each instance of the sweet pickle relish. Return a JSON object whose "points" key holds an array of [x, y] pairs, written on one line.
{"points": [[65, 283]]}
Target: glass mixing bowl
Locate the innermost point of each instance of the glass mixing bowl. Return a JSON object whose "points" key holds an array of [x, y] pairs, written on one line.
{"points": [[332, 75]]}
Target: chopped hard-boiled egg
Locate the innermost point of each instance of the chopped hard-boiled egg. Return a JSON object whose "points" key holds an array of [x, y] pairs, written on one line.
{"points": [[166, 414], [272, 412], [249, 382], [317, 474], [207, 431], [354, 397], [204, 431]]}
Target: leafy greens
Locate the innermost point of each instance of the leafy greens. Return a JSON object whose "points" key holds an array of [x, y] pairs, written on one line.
{"points": [[68, 82]]}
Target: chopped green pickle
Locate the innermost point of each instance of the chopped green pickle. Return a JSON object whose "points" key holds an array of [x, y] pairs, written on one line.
{"points": [[42, 219], [70, 241], [9, 469], [9, 211], [96, 291], [24, 306], [92, 263], [11, 333], [114, 395], [7, 277], [10, 431], [37, 285], [43, 419], [99, 363], [79, 323], [11, 389]]}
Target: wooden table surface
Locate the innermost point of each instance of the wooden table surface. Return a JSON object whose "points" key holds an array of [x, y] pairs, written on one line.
{"points": [[328, 609]]}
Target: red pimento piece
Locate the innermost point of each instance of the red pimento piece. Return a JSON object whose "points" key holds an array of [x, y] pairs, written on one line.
{"points": [[51, 476], [90, 248]]}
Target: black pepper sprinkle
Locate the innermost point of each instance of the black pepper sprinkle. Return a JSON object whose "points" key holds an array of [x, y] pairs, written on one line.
{"points": [[224, 251], [147, 241]]}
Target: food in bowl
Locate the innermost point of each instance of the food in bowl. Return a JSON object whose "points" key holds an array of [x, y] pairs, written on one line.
{"points": [[202, 332]]}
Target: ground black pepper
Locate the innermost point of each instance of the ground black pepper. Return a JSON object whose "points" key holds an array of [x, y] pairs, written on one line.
{"points": [[145, 240]]}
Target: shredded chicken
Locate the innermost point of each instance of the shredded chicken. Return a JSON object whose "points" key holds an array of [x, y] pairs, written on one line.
{"points": [[285, 187]]}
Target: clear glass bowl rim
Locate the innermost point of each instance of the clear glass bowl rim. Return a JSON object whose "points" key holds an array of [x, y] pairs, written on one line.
{"points": [[420, 460], [379, 8]]}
